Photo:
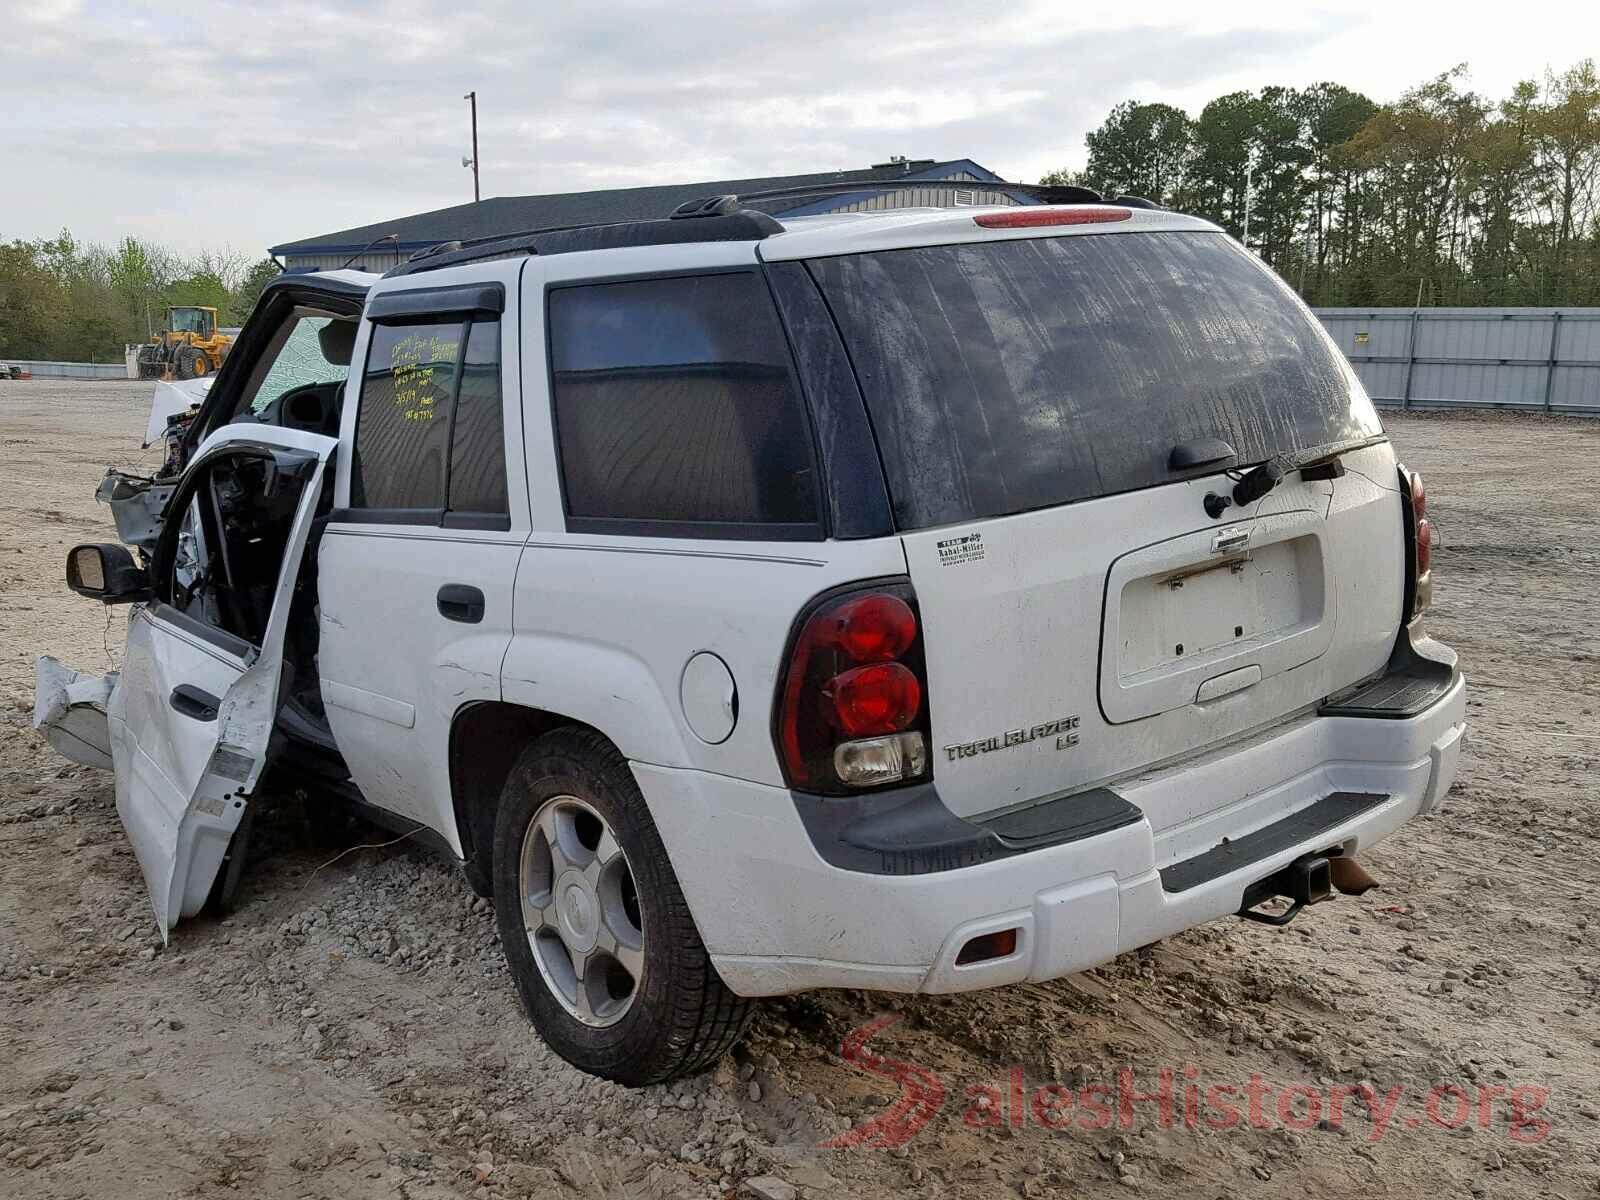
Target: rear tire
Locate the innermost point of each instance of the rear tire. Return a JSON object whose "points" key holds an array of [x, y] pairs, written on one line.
{"points": [[678, 1017]]}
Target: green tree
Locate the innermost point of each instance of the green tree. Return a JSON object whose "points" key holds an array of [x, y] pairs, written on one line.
{"points": [[1418, 151], [201, 288], [249, 290], [31, 302], [137, 273], [1566, 134], [1332, 115], [1441, 196], [1140, 150], [1224, 138], [1499, 181]]}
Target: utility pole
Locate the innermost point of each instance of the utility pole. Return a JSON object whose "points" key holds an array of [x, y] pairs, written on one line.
{"points": [[1249, 173], [473, 97]]}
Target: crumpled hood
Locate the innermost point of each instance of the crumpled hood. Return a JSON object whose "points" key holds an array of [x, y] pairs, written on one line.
{"points": [[170, 399]]}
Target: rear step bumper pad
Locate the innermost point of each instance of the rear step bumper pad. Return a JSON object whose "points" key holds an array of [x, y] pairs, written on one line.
{"points": [[911, 832], [1237, 853], [1420, 672]]}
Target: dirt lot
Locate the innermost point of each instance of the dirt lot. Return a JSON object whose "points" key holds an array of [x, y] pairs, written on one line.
{"points": [[350, 1030]]}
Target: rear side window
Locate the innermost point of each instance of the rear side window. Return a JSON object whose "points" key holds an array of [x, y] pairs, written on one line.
{"points": [[477, 443], [677, 412], [429, 431], [1005, 376]]}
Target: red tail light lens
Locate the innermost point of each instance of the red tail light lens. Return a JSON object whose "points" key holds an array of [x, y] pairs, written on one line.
{"points": [[1420, 537], [874, 628], [883, 698], [854, 671], [1028, 217], [1424, 527]]}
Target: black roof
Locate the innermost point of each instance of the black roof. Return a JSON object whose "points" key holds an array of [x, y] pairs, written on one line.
{"points": [[502, 215]]}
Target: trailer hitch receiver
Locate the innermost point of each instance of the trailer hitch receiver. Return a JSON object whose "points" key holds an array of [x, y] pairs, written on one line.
{"points": [[1307, 880]]}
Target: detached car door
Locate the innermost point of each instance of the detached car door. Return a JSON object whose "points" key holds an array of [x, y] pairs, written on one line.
{"points": [[191, 716]]}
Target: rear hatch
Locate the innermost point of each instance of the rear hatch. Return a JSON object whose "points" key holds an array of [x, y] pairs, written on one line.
{"points": [[1084, 617]]}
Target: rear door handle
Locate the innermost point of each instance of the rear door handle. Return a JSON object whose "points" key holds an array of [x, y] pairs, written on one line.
{"points": [[193, 703], [461, 602]]}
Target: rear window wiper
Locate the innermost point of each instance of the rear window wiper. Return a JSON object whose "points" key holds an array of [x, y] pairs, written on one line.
{"points": [[1313, 462]]}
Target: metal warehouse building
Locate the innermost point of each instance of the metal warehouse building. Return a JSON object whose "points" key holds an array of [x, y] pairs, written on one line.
{"points": [[500, 216]]}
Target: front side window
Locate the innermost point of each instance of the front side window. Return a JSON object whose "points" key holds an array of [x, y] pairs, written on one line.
{"points": [[676, 410], [315, 350], [429, 430]]}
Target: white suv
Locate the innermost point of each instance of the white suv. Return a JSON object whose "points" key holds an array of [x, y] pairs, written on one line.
{"points": [[922, 601]]}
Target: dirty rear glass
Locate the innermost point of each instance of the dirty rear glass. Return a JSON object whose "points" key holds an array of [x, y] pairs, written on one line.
{"points": [[1012, 375]]}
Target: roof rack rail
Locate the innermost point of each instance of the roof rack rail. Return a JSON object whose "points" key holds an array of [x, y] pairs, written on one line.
{"points": [[734, 225], [1045, 193], [722, 218]]}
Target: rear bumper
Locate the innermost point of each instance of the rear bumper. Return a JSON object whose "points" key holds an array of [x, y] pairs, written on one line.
{"points": [[778, 918]]}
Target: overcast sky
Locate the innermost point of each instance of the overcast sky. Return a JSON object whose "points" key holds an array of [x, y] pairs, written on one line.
{"points": [[233, 125]]}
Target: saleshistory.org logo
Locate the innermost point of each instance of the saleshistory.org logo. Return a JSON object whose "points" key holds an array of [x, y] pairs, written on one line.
{"points": [[1178, 1096]]}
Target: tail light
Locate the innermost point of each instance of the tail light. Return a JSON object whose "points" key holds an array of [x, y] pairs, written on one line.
{"points": [[1420, 540], [852, 701]]}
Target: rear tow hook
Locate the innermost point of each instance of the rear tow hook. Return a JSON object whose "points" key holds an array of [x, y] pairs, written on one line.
{"points": [[1307, 880]]}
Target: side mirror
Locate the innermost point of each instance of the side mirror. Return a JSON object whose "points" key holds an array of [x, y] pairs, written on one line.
{"points": [[106, 572]]}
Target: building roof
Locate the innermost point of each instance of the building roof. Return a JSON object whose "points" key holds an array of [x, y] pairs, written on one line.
{"points": [[502, 215]]}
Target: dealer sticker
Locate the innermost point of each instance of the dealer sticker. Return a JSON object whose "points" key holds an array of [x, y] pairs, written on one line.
{"points": [[965, 549]]}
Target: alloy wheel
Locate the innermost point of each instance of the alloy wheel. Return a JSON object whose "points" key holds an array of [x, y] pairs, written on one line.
{"points": [[580, 908]]}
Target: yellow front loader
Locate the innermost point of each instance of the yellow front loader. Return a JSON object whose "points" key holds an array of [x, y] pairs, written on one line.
{"points": [[188, 348]]}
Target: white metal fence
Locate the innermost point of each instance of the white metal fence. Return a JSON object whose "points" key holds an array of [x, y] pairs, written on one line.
{"points": [[1547, 359], [69, 370]]}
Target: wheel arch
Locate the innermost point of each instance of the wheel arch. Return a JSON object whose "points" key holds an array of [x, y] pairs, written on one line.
{"points": [[486, 739]]}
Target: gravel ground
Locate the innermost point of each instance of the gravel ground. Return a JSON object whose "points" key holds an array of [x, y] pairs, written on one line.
{"points": [[351, 1031]]}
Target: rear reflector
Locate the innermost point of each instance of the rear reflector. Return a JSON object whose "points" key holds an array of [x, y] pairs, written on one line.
{"points": [[989, 946], [1029, 216]]}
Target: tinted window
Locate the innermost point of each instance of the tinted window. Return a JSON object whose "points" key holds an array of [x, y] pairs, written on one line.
{"points": [[403, 426], [1013, 375], [429, 431], [477, 447], [674, 403]]}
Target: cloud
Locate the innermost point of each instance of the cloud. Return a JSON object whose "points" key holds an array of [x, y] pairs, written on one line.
{"points": [[249, 125]]}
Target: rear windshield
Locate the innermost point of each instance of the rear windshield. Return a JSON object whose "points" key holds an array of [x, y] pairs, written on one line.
{"points": [[1012, 375]]}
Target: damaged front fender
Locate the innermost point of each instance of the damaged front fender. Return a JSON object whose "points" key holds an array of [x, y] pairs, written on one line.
{"points": [[136, 504], [69, 711]]}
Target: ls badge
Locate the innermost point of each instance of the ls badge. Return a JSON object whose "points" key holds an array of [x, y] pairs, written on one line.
{"points": [[1063, 729]]}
